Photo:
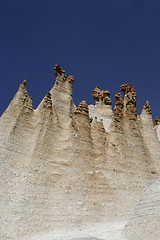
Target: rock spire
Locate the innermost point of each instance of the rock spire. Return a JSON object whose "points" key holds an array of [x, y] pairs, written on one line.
{"points": [[82, 108], [119, 105], [130, 110], [66, 170], [157, 121], [147, 108], [101, 96]]}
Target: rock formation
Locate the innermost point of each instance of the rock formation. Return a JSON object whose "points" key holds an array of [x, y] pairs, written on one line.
{"points": [[129, 101], [147, 107], [101, 96], [118, 111], [80, 172]]}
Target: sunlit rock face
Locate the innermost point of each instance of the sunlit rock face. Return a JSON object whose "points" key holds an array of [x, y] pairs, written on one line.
{"points": [[145, 223], [80, 172]]}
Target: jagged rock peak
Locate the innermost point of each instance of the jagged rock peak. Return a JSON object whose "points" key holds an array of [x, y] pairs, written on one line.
{"points": [[147, 107], [70, 79], [118, 111], [60, 73], [101, 96], [24, 82], [129, 93], [59, 70], [22, 86], [82, 108], [47, 101], [125, 88], [157, 121], [129, 101], [23, 96]]}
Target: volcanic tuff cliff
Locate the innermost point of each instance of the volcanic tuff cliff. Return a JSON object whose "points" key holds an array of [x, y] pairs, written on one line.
{"points": [[81, 172]]}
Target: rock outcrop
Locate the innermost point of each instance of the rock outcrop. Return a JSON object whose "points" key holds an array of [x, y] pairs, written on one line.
{"points": [[130, 110], [101, 96], [80, 172]]}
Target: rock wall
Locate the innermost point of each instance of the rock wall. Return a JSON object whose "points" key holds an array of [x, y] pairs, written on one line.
{"points": [[75, 172]]}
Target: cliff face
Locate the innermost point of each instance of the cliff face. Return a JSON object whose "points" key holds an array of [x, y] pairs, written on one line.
{"points": [[75, 172]]}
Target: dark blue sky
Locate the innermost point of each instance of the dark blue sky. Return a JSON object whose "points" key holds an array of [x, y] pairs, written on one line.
{"points": [[102, 43]]}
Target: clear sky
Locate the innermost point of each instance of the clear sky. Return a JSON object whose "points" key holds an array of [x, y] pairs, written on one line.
{"points": [[102, 43]]}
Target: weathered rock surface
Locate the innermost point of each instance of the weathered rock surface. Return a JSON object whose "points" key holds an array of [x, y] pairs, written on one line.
{"points": [[72, 172], [145, 223]]}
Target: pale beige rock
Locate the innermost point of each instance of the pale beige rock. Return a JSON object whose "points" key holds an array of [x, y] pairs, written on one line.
{"points": [[72, 172], [157, 126], [145, 223]]}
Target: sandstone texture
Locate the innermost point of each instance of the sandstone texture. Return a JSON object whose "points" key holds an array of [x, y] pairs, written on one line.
{"points": [[80, 173]]}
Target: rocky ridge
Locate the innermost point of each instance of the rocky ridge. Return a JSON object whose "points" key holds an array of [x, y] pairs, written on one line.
{"points": [[78, 172]]}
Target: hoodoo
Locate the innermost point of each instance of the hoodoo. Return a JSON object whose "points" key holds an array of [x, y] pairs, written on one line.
{"points": [[85, 172]]}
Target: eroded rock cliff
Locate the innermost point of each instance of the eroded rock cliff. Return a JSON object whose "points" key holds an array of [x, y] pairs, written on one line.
{"points": [[76, 172]]}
